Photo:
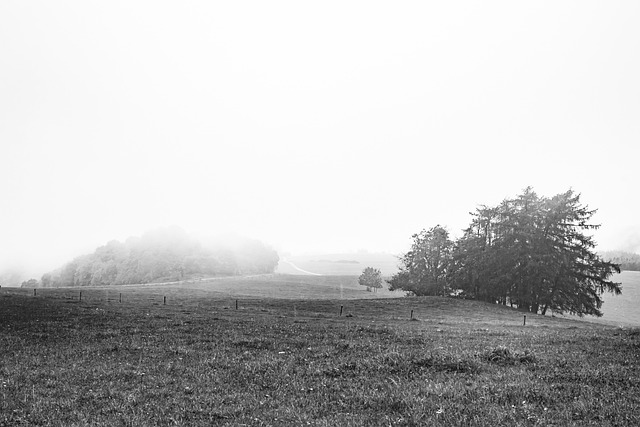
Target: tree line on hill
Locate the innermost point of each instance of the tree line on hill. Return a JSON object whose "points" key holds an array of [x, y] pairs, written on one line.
{"points": [[168, 254], [628, 260], [530, 252], [11, 277]]}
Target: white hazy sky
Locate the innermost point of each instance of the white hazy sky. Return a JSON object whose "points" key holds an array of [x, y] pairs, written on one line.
{"points": [[314, 126]]}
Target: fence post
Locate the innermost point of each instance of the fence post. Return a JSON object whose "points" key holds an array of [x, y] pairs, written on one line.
{"points": [[341, 307], [164, 300], [524, 323], [411, 314], [80, 296], [34, 292], [120, 297], [236, 304]]}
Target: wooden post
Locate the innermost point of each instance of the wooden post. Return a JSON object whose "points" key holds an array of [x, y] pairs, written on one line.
{"points": [[411, 314], [525, 321], [80, 295], [236, 304], [34, 292], [164, 300], [341, 307], [121, 297]]}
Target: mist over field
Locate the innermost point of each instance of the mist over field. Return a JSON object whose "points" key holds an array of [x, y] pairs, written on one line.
{"points": [[325, 138], [319, 213], [323, 129]]}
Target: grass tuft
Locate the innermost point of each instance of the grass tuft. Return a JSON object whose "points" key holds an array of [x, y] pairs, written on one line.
{"points": [[503, 356], [447, 363]]}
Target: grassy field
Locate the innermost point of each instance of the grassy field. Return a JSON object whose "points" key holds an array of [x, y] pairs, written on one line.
{"points": [[259, 286], [200, 361], [624, 308]]}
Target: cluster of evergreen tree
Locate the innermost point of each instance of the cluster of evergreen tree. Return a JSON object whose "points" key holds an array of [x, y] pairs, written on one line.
{"points": [[531, 252], [163, 255], [628, 260]]}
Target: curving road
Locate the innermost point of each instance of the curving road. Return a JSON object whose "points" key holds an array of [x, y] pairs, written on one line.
{"points": [[299, 269]]}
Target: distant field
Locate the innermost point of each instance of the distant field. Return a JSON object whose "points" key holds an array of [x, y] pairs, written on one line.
{"points": [[618, 310], [283, 286], [350, 264], [200, 361], [625, 308]]}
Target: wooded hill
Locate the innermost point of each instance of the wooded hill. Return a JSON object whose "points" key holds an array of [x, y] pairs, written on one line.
{"points": [[167, 254]]}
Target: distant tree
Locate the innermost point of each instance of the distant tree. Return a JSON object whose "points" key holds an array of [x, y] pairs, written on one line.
{"points": [[11, 277], [371, 278], [254, 257], [46, 280], [425, 267], [627, 260], [31, 283]]}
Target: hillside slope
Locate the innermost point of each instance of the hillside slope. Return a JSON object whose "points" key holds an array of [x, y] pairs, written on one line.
{"points": [[346, 264]]}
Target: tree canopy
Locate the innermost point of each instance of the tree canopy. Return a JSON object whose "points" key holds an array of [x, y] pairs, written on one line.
{"points": [[530, 251], [163, 255], [423, 270], [371, 278]]}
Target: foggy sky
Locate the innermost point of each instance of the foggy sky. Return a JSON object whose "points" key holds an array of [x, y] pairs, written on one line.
{"points": [[325, 126]]}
